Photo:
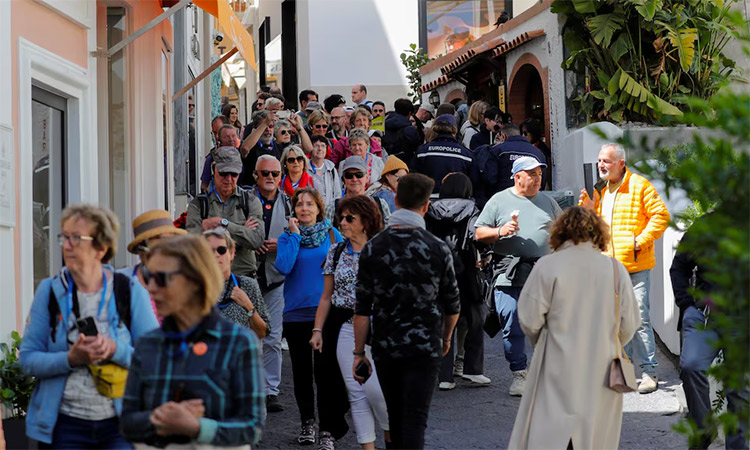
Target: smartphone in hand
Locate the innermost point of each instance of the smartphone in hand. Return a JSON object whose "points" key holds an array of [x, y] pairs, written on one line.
{"points": [[87, 326], [362, 370]]}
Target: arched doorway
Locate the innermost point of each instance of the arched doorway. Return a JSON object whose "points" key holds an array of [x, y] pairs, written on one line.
{"points": [[526, 96]]}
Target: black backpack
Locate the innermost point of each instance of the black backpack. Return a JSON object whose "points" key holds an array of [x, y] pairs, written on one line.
{"points": [[244, 203], [121, 291], [485, 173]]}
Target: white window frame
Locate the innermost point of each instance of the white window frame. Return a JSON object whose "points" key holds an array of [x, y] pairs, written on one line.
{"points": [[40, 67]]}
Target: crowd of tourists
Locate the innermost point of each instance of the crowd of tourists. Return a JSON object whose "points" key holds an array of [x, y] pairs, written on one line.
{"points": [[378, 246]]}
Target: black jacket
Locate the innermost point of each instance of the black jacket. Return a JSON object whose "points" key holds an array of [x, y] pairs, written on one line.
{"points": [[440, 157], [401, 138], [452, 220], [684, 265]]}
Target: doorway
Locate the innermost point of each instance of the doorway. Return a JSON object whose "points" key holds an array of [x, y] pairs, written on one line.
{"points": [[48, 114]]}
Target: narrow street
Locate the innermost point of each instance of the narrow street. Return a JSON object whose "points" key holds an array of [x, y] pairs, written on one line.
{"points": [[473, 417]]}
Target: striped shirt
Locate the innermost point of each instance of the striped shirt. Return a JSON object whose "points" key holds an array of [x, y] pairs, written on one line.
{"points": [[219, 362]]}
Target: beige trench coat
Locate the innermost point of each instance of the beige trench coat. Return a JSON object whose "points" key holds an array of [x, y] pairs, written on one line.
{"points": [[567, 310]]}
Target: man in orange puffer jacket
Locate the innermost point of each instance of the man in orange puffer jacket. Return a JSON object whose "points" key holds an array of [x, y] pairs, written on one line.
{"points": [[637, 217]]}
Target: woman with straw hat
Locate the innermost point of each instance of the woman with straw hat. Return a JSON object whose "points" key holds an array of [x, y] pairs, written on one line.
{"points": [[148, 229]]}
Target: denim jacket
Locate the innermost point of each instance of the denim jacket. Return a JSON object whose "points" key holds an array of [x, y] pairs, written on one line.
{"points": [[47, 360]]}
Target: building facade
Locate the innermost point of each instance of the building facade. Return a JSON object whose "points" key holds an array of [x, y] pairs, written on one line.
{"points": [[80, 125]]}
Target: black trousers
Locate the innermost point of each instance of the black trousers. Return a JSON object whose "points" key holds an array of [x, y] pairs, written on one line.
{"points": [[473, 344], [408, 385], [304, 363], [309, 365]]}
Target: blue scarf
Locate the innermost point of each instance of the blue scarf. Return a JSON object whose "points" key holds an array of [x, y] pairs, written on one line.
{"points": [[314, 235]]}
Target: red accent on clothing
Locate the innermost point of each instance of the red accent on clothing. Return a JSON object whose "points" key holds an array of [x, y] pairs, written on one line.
{"points": [[305, 181]]}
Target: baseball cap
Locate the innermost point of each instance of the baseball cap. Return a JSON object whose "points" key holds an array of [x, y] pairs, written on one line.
{"points": [[352, 162], [526, 163], [227, 159], [313, 106], [446, 120], [374, 132]]}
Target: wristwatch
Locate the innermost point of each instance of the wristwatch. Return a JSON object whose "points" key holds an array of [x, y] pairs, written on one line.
{"points": [[224, 223], [356, 353], [250, 313]]}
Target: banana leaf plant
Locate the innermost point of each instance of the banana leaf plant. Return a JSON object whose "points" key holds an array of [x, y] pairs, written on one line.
{"points": [[641, 59]]}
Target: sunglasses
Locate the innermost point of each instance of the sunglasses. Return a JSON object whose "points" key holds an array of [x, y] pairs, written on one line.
{"points": [[321, 127], [160, 278], [349, 218], [350, 175], [229, 174], [221, 250], [265, 173], [283, 132], [298, 159]]}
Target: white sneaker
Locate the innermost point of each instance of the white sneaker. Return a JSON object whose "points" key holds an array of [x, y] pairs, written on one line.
{"points": [[518, 384], [446, 386], [458, 367], [477, 379], [648, 384], [284, 345]]}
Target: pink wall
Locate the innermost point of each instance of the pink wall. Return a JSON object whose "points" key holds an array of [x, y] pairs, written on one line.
{"points": [[53, 32]]}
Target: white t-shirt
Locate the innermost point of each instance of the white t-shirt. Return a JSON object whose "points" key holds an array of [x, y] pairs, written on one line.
{"points": [[80, 397]]}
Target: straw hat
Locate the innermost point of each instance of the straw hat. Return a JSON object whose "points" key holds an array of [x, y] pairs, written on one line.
{"points": [[150, 224], [392, 164]]}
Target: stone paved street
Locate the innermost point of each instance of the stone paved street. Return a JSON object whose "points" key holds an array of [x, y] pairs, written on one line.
{"points": [[470, 417]]}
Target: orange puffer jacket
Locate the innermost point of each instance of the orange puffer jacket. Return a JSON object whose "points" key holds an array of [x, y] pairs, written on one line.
{"points": [[639, 215]]}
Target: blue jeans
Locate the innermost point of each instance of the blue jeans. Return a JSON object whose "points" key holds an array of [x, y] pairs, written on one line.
{"points": [[642, 348], [71, 432], [514, 341], [698, 351]]}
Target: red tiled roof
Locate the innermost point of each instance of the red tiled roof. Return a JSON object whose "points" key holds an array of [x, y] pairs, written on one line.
{"points": [[505, 47], [436, 83], [462, 58]]}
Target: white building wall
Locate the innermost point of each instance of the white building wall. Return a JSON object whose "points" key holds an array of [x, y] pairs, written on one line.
{"points": [[7, 260], [341, 43]]}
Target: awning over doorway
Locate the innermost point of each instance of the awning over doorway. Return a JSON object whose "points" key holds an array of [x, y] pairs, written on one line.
{"points": [[232, 27], [467, 57]]}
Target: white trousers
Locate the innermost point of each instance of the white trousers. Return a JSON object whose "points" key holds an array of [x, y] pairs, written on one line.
{"points": [[367, 399]]}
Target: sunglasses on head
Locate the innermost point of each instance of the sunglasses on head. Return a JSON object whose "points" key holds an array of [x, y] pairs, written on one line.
{"points": [[229, 174], [160, 278], [348, 217], [350, 175], [321, 127], [265, 173], [284, 132], [298, 159], [222, 249]]}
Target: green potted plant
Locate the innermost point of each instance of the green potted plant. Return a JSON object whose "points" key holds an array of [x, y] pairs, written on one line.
{"points": [[15, 392]]}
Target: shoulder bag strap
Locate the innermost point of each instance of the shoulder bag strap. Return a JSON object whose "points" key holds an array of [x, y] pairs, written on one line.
{"points": [[619, 351]]}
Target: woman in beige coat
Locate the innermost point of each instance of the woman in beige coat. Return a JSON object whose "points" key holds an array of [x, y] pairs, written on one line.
{"points": [[567, 310]]}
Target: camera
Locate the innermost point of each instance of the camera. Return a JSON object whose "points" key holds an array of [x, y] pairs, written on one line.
{"points": [[218, 38]]}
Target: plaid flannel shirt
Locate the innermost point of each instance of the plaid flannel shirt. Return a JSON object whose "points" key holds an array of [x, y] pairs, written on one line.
{"points": [[219, 362]]}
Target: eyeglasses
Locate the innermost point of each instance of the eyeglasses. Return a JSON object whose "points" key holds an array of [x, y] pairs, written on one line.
{"points": [[191, 105], [283, 132], [321, 127], [229, 174], [161, 279], [265, 173], [349, 218], [74, 239], [222, 249], [292, 159], [350, 175]]}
